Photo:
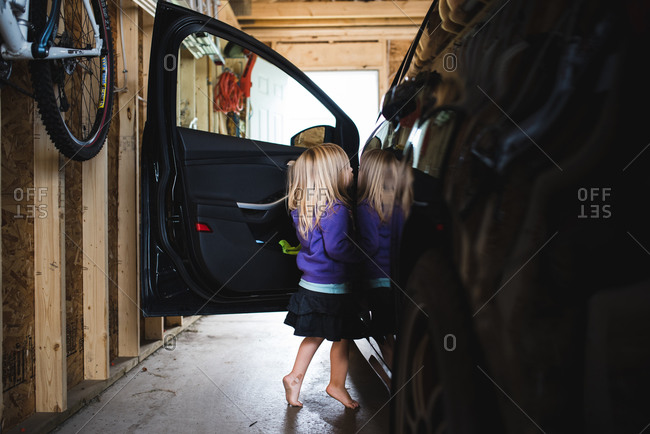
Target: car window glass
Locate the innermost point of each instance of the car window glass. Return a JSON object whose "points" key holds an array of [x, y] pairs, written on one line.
{"points": [[309, 137], [382, 138], [428, 141], [225, 89]]}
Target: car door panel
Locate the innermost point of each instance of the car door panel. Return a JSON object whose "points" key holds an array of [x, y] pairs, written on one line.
{"points": [[222, 174], [248, 172], [213, 208]]}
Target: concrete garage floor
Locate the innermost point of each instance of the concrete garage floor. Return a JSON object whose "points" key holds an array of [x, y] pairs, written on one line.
{"points": [[223, 375]]}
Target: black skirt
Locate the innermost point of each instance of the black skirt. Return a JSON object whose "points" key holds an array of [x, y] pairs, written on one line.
{"points": [[330, 316]]}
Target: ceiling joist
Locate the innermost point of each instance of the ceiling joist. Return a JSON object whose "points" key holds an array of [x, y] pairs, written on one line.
{"points": [[330, 34], [334, 21], [414, 10], [323, 22]]}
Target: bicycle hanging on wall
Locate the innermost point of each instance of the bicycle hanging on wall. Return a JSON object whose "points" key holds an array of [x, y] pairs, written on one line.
{"points": [[70, 49]]}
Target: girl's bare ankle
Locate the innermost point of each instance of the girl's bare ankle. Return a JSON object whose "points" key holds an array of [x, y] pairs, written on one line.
{"points": [[294, 377]]}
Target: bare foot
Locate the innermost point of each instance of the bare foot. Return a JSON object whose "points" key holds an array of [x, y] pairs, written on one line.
{"points": [[341, 395], [292, 389]]}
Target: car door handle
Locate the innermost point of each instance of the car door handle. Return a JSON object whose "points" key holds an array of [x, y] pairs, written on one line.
{"points": [[261, 206]]}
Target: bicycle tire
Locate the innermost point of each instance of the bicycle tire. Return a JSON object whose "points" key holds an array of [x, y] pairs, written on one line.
{"points": [[75, 96]]}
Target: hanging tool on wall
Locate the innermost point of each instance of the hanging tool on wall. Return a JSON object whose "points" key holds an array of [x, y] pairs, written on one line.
{"points": [[245, 81], [230, 91], [228, 96]]}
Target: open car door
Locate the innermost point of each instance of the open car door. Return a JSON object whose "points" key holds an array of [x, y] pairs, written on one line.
{"points": [[214, 163]]}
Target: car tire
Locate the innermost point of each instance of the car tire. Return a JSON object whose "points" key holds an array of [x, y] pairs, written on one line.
{"points": [[437, 385]]}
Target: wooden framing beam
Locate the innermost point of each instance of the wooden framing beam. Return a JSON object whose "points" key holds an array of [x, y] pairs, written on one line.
{"points": [[413, 9], [202, 94], [334, 21], [49, 285], [223, 12], [226, 14], [300, 34], [128, 301], [383, 72], [173, 321], [342, 55], [324, 22], [241, 7], [186, 99], [95, 277], [154, 328], [147, 31]]}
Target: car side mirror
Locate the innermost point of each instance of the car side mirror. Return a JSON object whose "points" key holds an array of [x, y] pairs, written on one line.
{"points": [[313, 136]]}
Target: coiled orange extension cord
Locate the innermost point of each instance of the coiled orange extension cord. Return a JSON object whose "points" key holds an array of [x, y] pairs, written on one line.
{"points": [[228, 96]]}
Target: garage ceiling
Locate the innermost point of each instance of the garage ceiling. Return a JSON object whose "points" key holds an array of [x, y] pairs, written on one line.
{"points": [[312, 21]]}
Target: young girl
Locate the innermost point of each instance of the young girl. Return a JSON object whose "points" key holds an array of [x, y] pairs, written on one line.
{"points": [[385, 196], [323, 307]]}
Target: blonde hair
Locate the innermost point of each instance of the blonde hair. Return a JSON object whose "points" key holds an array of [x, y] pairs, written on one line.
{"points": [[317, 179], [384, 183]]}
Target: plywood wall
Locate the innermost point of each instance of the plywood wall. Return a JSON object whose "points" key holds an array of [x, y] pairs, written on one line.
{"points": [[18, 362], [112, 146], [73, 272]]}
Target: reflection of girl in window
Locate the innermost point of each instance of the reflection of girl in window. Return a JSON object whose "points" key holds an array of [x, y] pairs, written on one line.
{"points": [[323, 308], [385, 196]]}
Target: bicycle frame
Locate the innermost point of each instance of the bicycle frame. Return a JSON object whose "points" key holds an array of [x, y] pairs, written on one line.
{"points": [[13, 28]]}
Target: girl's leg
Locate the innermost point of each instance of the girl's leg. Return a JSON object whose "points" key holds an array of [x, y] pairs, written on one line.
{"points": [[339, 371], [293, 380]]}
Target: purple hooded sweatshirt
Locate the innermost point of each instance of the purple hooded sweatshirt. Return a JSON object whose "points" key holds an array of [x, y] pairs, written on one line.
{"points": [[378, 239], [325, 256]]}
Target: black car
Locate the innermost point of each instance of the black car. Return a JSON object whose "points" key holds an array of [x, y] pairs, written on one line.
{"points": [[523, 270]]}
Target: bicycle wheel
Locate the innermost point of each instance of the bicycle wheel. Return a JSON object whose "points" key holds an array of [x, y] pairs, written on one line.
{"points": [[75, 95]]}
